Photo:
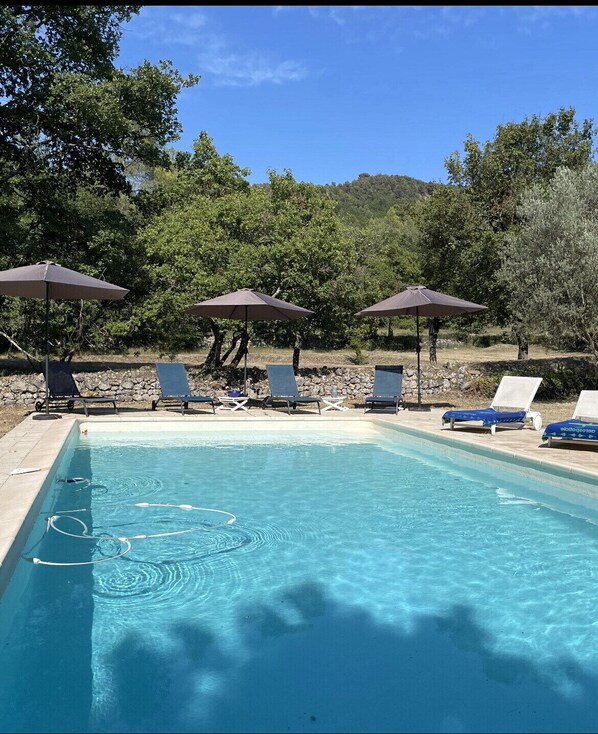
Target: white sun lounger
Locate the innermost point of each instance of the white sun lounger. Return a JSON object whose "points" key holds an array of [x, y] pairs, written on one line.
{"points": [[582, 427], [511, 406]]}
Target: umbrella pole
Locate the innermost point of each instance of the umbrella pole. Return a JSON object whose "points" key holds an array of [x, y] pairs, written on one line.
{"points": [[47, 348], [246, 350], [418, 348]]}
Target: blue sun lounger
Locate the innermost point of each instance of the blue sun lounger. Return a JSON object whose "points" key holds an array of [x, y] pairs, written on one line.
{"points": [[62, 388], [283, 388], [388, 387], [174, 387], [582, 428], [511, 406]]}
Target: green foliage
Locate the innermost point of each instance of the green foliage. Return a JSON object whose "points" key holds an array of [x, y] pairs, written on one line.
{"points": [[486, 385], [521, 155], [387, 258], [459, 252], [464, 227], [204, 172], [562, 379], [68, 113], [71, 123], [358, 346], [550, 265], [283, 240], [372, 196]]}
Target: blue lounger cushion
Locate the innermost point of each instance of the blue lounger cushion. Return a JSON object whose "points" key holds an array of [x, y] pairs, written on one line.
{"points": [[573, 429], [488, 416]]}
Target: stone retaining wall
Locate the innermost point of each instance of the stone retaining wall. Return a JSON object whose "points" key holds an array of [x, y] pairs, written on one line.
{"points": [[141, 385]]}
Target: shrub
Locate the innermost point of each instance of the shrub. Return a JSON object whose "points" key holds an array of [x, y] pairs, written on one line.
{"points": [[358, 345]]}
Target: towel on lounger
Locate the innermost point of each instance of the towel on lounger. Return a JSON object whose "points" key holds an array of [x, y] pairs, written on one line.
{"points": [[488, 416], [572, 428]]}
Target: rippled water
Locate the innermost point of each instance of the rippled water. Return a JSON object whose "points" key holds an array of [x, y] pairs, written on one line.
{"points": [[365, 586]]}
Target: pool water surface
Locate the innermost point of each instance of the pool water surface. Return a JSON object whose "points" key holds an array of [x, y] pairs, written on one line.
{"points": [[366, 584]]}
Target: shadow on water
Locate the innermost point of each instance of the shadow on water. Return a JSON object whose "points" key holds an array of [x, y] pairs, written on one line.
{"points": [[314, 665], [45, 661]]}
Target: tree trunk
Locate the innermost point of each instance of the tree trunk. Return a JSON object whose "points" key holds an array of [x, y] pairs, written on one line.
{"points": [[522, 343], [433, 329], [243, 346], [214, 358], [233, 343], [296, 351], [390, 331], [522, 347]]}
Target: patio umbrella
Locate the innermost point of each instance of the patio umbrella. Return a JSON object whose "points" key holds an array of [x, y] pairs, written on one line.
{"points": [[248, 304], [417, 300], [51, 281]]}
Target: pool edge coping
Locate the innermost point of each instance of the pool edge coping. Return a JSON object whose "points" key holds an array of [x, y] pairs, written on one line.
{"points": [[512, 458]]}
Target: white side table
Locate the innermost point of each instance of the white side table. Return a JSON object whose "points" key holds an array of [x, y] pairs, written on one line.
{"points": [[227, 402], [334, 402]]}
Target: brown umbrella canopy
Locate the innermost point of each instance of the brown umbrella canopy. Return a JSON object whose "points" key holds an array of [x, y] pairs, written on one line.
{"points": [[417, 300], [51, 281], [248, 304]]}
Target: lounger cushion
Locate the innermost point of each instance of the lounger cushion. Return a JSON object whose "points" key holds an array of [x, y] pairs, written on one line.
{"points": [[488, 416], [391, 399], [572, 429]]}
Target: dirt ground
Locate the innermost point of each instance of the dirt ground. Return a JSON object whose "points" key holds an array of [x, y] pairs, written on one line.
{"points": [[258, 357]]}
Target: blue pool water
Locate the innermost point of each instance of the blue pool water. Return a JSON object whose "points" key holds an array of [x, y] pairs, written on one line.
{"points": [[367, 585]]}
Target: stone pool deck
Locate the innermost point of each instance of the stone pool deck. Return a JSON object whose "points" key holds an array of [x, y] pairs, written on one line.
{"points": [[35, 444]]}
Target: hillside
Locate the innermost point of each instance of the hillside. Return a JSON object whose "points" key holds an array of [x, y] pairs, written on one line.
{"points": [[373, 195]]}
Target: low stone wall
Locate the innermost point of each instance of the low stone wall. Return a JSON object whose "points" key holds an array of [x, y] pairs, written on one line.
{"points": [[141, 385]]}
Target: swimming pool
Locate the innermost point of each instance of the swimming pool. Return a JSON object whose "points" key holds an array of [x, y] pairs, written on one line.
{"points": [[368, 583]]}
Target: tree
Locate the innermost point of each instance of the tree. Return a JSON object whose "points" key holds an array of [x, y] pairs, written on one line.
{"points": [[204, 172], [304, 259], [521, 155], [67, 111], [283, 240], [71, 123], [459, 253], [550, 265], [387, 260]]}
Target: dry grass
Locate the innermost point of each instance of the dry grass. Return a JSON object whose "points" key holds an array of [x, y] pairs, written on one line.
{"points": [[260, 356], [12, 415]]}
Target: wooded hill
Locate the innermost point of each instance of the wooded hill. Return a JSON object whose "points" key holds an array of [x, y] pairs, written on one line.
{"points": [[373, 195]]}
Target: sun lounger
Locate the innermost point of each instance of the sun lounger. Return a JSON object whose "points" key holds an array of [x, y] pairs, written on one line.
{"points": [[582, 427], [174, 387], [388, 387], [283, 388], [62, 388], [511, 406]]}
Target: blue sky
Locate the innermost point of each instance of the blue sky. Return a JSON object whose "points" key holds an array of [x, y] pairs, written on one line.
{"points": [[330, 92]]}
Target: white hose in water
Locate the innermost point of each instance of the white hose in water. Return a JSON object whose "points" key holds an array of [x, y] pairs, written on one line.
{"points": [[53, 519]]}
